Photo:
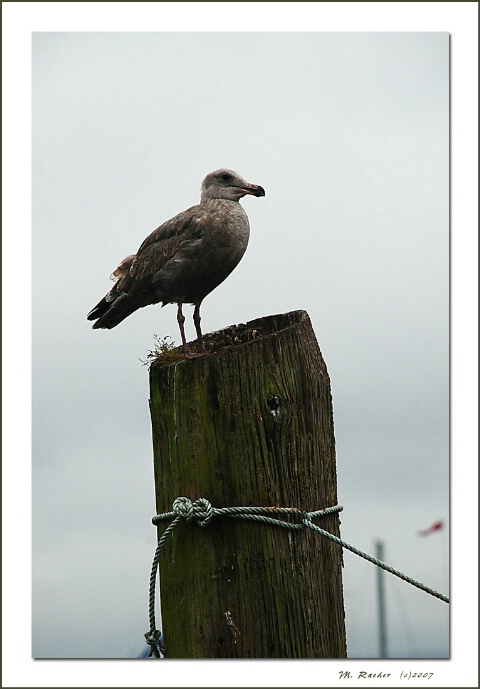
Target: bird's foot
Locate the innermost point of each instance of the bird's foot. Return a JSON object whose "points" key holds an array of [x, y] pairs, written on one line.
{"points": [[194, 355]]}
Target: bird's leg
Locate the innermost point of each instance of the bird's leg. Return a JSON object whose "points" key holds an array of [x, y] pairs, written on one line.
{"points": [[181, 321], [196, 320]]}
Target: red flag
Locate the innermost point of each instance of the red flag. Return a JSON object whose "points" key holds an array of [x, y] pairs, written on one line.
{"points": [[436, 526]]}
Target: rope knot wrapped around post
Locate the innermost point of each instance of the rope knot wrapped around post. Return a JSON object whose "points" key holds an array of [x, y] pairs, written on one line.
{"points": [[306, 519], [201, 510]]}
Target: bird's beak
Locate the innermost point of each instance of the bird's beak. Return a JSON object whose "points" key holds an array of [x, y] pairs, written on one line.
{"points": [[254, 190]]}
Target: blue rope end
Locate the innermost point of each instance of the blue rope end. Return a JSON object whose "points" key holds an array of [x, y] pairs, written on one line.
{"points": [[155, 640]]}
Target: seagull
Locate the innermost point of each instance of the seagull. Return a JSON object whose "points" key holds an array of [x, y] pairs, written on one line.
{"points": [[185, 258]]}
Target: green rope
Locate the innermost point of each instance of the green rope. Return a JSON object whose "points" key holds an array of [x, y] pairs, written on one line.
{"points": [[202, 512]]}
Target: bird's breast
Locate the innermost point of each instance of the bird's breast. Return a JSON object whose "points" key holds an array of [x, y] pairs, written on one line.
{"points": [[205, 262]]}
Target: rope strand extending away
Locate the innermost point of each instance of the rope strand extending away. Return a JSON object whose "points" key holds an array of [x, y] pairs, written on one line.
{"points": [[202, 512]]}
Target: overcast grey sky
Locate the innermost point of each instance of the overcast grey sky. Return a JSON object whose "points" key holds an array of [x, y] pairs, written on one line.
{"points": [[348, 134]]}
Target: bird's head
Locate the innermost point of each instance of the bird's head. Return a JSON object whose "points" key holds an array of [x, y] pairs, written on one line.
{"points": [[227, 184]]}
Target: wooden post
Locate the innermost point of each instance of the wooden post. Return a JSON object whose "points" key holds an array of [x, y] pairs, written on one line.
{"points": [[249, 424]]}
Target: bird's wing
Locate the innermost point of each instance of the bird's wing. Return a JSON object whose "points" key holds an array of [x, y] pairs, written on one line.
{"points": [[122, 268], [166, 242], [139, 277]]}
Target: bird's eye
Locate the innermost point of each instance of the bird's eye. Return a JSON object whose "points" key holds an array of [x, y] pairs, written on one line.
{"points": [[226, 177]]}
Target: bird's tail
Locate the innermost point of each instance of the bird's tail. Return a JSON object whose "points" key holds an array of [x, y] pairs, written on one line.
{"points": [[109, 313], [99, 310]]}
